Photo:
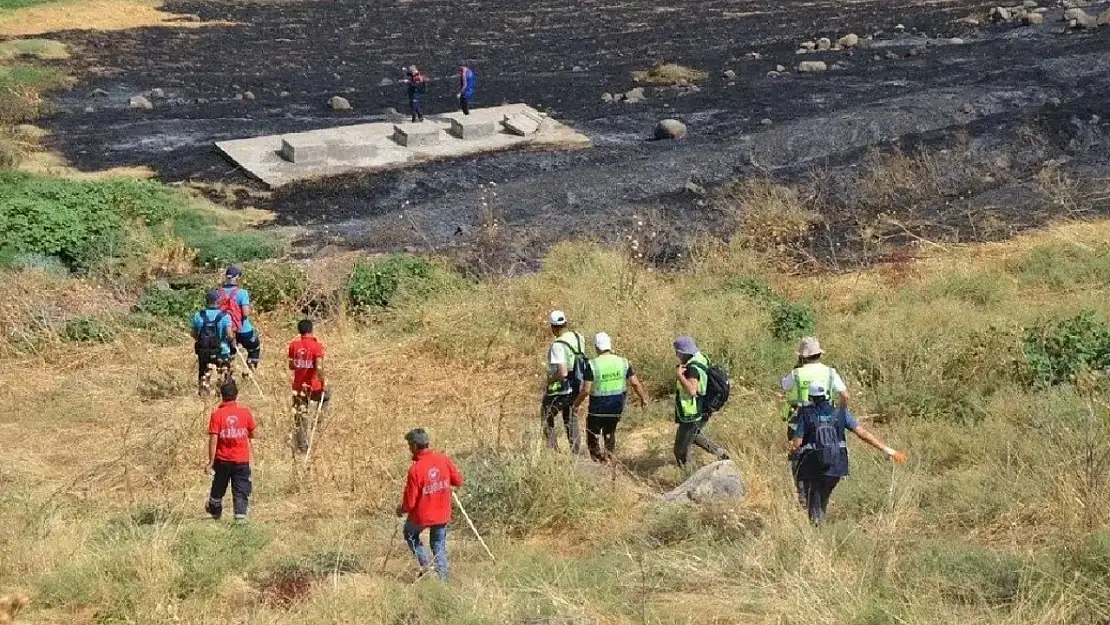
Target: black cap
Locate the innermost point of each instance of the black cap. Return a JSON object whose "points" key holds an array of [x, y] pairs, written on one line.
{"points": [[214, 296]]}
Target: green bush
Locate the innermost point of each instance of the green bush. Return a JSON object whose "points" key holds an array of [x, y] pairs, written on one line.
{"points": [[207, 553], [89, 330], [79, 222], [755, 288], [274, 284], [216, 249], [170, 304], [388, 281], [1055, 352], [1063, 265], [968, 574], [791, 320]]}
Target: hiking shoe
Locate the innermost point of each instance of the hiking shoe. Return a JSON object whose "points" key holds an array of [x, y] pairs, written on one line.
{"points": [[213, 511]]}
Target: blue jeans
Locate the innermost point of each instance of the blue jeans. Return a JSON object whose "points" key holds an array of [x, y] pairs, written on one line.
{"points": [[437, 534]]}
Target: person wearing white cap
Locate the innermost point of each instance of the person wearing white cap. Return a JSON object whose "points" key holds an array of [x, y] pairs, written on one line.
{"points": [[809, 370], [566, 362], [820, 446], [606, 383]]}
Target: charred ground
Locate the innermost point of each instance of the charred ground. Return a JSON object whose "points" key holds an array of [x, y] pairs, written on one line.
{"points": [[1011, 98]]}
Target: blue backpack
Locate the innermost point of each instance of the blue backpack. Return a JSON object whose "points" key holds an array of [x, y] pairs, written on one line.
{"points": [[826, 449]]}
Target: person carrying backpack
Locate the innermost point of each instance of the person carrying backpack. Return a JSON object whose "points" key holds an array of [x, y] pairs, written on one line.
{"points": [[466, 87], [566, 363], [692, 408], [821, 449], [236, 302], [212, 337], [606, 383], [809, 370]]}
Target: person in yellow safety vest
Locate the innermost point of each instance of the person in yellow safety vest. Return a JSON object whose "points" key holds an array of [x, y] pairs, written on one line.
{"points": [[689, 413], [809, 371], [565, 359], [606, 383]]}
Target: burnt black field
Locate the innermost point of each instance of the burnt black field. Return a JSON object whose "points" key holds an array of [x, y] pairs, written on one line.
{"points": [[917, 87]]}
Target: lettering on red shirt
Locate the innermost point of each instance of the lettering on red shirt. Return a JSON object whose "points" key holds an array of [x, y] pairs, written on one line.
{"points": [[304, 353], [427, 498], [233, 426]]}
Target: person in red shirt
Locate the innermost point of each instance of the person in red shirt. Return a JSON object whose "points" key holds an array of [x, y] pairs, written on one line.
{"points": [[306, 361], [230, 430], [427, 500]]}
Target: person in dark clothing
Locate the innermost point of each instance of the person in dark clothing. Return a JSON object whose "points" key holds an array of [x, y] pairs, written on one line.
{"points": [[690, 413], [230, 430], [213, 337], [822, 450], [418, 86], [466, 87]]}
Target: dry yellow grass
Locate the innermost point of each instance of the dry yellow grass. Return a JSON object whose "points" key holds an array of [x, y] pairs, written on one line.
{"points": [[670, 74], [90, 14]]}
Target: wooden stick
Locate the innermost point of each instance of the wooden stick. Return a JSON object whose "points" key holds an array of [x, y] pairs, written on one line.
{"points": [[471, 524]]}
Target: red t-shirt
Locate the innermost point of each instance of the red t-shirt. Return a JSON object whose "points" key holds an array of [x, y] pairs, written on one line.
{"points": [[304, 352], [233, 426], [427, 498]]}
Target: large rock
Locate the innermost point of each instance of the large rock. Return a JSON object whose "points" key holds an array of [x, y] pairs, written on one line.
{"points": [[1103, 18], [634, 96], [141, 103], [1001, 14], [1034, 19], [824, 44], [339, 104], [850, 40], [720, 481], [670, 129], [811, 67]]}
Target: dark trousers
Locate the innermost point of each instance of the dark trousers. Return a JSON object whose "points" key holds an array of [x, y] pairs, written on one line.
{"points": [[464, 103], [564, 404], [817, 491], [601, 430], [205, 364], [305, 407], [238, 474], [689, 434], [417, 108], [250, 342]]}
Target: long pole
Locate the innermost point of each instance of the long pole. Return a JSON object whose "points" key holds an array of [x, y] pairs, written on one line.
{"points": [[471, 524], [250, 372], [389, 549], [315, 422]]}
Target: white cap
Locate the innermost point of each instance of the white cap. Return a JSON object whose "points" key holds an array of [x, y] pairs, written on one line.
{"points": [[602, 342], [558, 318], [817, 389]]}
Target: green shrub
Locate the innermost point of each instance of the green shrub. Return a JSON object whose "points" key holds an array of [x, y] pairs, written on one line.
{"points": [[791, 320], [755, 288], [274, 284], [108, 579], [1055, 352], [674, 523], [1063, 265], [89, 330], [388, 281], [167, 303], [969, 574], [227, 248], [208, 552]]}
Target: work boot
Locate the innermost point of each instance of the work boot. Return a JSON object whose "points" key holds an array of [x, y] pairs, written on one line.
{"points": [[214, 511]]}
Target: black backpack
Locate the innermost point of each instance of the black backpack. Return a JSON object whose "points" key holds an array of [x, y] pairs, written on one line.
{"points": [[577, 374], [208, 336], [826, 449], [717, 387]]}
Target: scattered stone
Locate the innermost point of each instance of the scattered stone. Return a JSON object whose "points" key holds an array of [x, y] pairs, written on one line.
{"points": [[139, 102], [956, 41], [339, 104], [1029, 4], [810, 67], [99, 93], [1103, 18], [839, 66], [607, 98], [773, 74], [1034, 19], [89, 109], [694, 188], [780, 69], [1000, 14], [765, 122], [635, 96], [968, 109], [670, 129], [824, 44], [283, 94], [392, 112], [687, 89], [801, 51], [915, 51], [248, 95], [970, 20], [876, 58], [157, 93], [385, 82], [238, 96], [755, 56], [899, 28], [716, 482], [577, 68], [730, 74], [891, 56], [850, 40], [809, 46], [1084, 19], [335, 75]]}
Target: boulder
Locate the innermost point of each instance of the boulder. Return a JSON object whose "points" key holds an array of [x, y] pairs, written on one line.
{"points": [[774, 74], [1034, 19], [850, 40], [141, 103], [577, 69], [1000, 14], [607, 98], [812, 67], [670, 129], [385, 82], [899, 28], [248, 95], [283, 94], [1029, 4], [824, 44], [1103, 18], [634, 96], [694, 188], [716, 482], [730, 74], [808, 46], [337, 103], [780, 69], [521, 124], [765, 122]]}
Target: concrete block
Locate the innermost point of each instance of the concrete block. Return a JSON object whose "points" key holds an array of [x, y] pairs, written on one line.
{"points": [[303, 150], [521, 125], [348, 151], [416, 135], [471, 128]]}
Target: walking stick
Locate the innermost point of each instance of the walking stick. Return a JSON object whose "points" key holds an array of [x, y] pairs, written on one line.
{"points": [[312, 432], [250, 372], [389, 549], [471, 524]]}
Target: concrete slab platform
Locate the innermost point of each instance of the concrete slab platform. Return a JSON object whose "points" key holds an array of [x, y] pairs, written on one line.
{"points": [[469, 128], [417, 135], [374, 146]]}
